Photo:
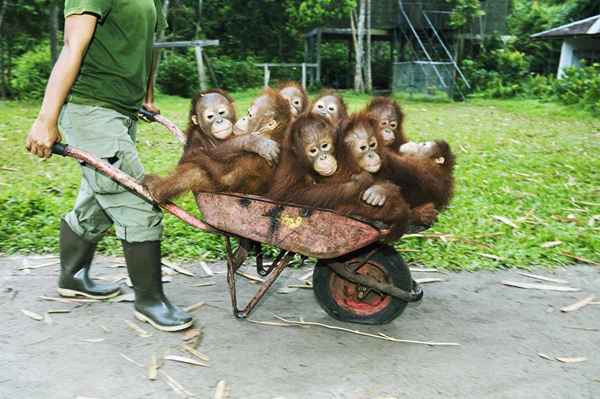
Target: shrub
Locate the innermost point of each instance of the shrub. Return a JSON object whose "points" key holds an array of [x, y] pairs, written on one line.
{"points": [[236, 75], [31, 71], [177, 74], [580, 86], [539, 86]]}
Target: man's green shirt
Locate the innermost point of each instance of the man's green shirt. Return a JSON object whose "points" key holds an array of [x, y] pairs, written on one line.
{"points": [[115, 70]]}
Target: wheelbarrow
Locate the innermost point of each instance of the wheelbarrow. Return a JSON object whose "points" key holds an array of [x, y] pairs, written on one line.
{"points": [[357, 278]]}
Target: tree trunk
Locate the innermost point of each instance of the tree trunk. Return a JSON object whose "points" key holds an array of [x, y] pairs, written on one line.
{"points": [[368, 71], [160, 36], [3, 83], [2, 13], [54, 31], [199, 19], [358, 30]]}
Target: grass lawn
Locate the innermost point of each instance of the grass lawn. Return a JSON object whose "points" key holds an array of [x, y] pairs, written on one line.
{"points": [[527, 178]]}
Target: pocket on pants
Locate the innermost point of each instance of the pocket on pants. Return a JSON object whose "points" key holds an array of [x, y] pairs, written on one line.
{"points": [[127, 162]]}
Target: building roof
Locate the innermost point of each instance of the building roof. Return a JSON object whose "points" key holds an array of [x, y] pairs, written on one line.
{"points": [[589, 27]]}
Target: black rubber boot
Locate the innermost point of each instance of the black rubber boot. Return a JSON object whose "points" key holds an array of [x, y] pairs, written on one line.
{"points": [[151, 305], [76, 256]]}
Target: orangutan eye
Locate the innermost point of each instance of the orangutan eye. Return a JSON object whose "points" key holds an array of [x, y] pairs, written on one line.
{"points": [[373, 144], [296, 103], [320, 106], [250, 114], [325, 147], [384, 123], [331, 108], [210, 116], [313, 151], [222, 112], [394, 125], [363, 148], [272, 125]]}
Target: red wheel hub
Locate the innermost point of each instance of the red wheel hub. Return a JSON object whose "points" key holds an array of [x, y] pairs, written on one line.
{"points": [[358, 299]]}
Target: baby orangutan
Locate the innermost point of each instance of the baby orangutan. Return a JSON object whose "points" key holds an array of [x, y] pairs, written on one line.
{"points": [[244, 172], [332, 107], [366, 154], [309, 174], [390, 118], [433, 162], [296, 96], [210, 143]]}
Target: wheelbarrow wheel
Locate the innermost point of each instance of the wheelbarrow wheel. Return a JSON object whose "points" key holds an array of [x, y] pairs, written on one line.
{"points": [[347, 301]]}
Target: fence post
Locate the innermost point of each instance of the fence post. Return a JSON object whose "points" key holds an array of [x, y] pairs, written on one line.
{"points": [[304, 75], [201, 70], [267, 75]]}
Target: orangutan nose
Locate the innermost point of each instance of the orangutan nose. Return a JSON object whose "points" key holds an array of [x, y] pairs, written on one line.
{"points": [[219, 120]]}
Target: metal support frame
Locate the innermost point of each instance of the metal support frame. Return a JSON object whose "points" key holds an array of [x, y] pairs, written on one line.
{"points": [[416, 34], [234, 263], [448, 53]]}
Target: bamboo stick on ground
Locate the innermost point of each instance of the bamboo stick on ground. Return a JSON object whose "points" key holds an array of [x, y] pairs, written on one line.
{"points": [[376, 336]]}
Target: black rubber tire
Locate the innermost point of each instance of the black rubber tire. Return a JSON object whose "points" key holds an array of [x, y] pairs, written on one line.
{"points": [[395, 269]]}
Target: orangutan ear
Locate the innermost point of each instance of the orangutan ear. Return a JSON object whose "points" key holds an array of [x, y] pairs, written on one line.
{"points": [[440, 160], [195, 120]]}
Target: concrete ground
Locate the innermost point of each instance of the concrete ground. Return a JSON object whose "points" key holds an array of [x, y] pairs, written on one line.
{"points": [[501, 332]]}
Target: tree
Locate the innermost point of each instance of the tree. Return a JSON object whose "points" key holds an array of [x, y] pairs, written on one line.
{"points": [[54, 12], [358, 36]]}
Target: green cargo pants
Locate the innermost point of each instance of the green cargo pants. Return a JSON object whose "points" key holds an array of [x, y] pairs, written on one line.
{"points": [[102, 202]]}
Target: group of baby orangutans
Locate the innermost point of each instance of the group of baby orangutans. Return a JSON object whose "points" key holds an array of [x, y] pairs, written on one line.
{"points": [[314, 155]]}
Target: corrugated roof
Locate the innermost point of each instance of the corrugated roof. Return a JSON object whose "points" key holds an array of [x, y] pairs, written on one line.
{"points": [[585, 27]]}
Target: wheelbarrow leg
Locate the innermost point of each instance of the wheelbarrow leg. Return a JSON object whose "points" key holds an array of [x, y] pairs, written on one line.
{"points": [[232, 267]]}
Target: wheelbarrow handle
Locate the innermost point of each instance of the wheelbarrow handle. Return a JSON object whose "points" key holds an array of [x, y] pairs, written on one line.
{"points": [[146, 115], [128, 182], [60, 149], [150, 116]]}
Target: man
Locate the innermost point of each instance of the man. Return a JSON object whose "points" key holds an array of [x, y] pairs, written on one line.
{"points": [[102, 76]]}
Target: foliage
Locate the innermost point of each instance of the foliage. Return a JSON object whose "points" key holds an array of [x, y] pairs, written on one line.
{"points": [[177, 74], [31, 72], [236, 75], [580, 86], [534, 163], [463, 12], [498, 72]]}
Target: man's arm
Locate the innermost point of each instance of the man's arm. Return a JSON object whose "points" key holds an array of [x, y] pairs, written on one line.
{"points": [[149, 99], [79, 30]]}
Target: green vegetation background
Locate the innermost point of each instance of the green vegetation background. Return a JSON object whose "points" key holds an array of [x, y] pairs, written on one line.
{"points": [[527, 178]]}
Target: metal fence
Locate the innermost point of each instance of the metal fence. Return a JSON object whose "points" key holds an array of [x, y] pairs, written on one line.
{"points": [[424, 77]]}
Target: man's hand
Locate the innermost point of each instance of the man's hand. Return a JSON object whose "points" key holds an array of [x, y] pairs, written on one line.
{"points": [[150, 106], [41, 138]]}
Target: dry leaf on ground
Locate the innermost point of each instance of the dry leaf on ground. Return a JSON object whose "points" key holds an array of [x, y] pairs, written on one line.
{"points": [[544, 278], [193, 307], [32, 315], [578, 305], [153, 368], [535, 286], [137, 329], [187, 360], [571, 359]]}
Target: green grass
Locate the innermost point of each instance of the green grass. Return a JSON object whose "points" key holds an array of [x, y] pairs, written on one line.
{"points": [[536, 164]]}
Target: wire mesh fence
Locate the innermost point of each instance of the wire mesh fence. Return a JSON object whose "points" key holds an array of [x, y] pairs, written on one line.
{"points": [[427, 77]]}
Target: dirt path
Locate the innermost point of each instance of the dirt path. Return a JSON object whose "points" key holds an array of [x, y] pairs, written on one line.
{"points": [[501, 331]]}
